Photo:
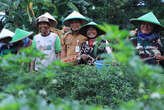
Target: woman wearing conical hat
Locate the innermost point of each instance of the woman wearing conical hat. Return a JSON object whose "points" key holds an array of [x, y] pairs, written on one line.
{"points": [[20, 40], [89, 52], [5, 37], [73, 39], [147, 40]]}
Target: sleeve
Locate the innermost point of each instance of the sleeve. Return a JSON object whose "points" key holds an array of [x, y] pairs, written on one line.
{"points": [[108, 49], [79, 59], [34, 43], [57, 45], [82, 48], [101, 46]]}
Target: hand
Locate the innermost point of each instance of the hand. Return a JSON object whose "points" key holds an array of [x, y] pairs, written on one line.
{"points": [[84, 57], [159, 57], [115, 63], [133, 32]]}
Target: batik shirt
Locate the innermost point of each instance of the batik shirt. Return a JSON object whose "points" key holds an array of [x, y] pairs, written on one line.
{"points": [[149, 46], [94, 52]]}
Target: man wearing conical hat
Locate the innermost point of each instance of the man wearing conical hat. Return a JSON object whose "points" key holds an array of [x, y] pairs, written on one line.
{"points": [[147, 40], [5, 36], [47, 43], [73, 40], [53, 23]]}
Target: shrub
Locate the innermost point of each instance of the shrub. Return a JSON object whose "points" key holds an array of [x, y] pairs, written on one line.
{"points": [[132, 82]]}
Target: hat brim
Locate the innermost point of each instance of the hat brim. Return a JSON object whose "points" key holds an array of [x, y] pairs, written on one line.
{"points": [[158, 27], [6, 38], [52, 20], [53, 23], [67, 21], [83, 30], [43, 22], [21, 38], [38, 22]]}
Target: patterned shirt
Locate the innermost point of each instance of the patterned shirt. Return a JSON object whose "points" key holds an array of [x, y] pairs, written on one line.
{"points": [[94, 52], [147, 49]]}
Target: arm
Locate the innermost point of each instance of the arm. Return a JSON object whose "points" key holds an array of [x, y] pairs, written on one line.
{"points": [[160, 46], [84, 55], [108, 49], [81, 54], [64, 49], [58, 47], [33, 62]]}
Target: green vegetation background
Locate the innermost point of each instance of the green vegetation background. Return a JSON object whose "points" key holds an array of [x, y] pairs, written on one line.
{"points": [[22, 13], [132, 85]]}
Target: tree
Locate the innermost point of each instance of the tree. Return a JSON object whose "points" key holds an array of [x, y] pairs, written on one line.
{"points": [[22, 13]]}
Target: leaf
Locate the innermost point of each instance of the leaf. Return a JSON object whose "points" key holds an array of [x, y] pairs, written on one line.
{"points": [[72, 6], [4, 4], [28, 12], [31, 8]]}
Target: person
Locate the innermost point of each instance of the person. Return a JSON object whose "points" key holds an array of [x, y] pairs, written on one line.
{"points": [[73, 39], [20, 40], [5, 37], [53, 23], [2, 20], [65, 29], [91, 50], [147, 40], [47, 43]]}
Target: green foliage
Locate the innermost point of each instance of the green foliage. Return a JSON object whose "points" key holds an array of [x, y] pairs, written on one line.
{"points": [[150, 77], [91, 86], [130, 85], [22, 13], [31, 102], [83, 83]]}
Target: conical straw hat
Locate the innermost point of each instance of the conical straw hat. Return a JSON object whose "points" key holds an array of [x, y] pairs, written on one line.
{"points": [[84, 28], [5, 33], [149, 18], [43, 19], [75, 15], [52, 20], [20, 35]]}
